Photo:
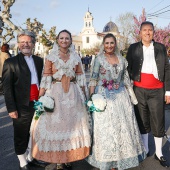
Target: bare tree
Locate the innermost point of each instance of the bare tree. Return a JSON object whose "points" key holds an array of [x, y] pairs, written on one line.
{"points": [[6, 24], [125, 23]]}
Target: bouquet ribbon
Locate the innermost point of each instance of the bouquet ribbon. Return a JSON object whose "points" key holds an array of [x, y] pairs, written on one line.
{"points": [[39, 109]]}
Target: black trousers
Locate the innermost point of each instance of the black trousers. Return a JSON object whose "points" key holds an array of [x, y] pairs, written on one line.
{"points": [[150, 112], [1, 87], [86, 67], [22, 128]]}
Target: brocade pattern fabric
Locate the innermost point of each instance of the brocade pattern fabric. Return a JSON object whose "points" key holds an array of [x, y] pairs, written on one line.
{"points": [[117, 141]]}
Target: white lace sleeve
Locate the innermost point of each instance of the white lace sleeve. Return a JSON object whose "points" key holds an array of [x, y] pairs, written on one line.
{"points": [[94, 72], [128, 85], [46, 82], [93, 83], [81, 79]]}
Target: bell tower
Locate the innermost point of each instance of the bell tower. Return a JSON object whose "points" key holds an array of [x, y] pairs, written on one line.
{"points": [[88, 22]]}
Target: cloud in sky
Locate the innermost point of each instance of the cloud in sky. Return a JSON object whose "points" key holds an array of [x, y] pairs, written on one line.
{"points": [[38, 9], [54, 4], [20, 2], [16, 14]]}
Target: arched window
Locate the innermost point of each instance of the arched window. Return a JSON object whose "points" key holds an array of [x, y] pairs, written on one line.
{"points": [[89, 24], [87, 40], [86, 24]]}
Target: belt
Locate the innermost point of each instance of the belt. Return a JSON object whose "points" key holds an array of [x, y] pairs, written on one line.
{"points": [[55, 80]]}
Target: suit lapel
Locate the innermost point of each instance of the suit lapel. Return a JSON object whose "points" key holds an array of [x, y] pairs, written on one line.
{"points": [[156, 50], [24, 63], [140, 51]]}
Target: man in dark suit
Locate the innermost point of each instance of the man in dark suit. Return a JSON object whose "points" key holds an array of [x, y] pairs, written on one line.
{"points": [[21, 78], [86, 62], [149, 69]]}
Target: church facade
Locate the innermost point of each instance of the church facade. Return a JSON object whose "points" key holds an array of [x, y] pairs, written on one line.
{"points": [[89, 37]]}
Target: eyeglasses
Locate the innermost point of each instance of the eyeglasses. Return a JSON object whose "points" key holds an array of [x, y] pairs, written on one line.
{"points": [[25, 42]]}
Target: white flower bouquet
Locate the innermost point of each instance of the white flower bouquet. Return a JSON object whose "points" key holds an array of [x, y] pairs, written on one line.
{"points": [[96, 103], [48, 103], [45, 103]]}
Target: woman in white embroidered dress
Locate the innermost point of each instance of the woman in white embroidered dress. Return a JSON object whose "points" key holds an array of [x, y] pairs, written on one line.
{"points": [[63, 135], [116, 139]]}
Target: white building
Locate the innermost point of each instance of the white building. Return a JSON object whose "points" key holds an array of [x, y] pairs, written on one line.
{"points": [[39, 49], [89, 37]]}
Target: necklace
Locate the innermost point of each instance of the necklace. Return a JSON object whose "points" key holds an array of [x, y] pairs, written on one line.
{"points": [[65, 53], [110, 55]]}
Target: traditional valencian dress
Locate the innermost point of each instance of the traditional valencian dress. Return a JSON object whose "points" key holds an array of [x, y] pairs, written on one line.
{"points": [[63, 135], [116, 139]]}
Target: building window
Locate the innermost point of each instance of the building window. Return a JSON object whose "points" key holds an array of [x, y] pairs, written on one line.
{"points": [[87, 39], [78, 48], [89, 24], [86, 24]]}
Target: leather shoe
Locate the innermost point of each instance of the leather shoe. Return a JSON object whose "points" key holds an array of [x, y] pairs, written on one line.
{"points": [[26, 167], [67, 166], [162, 161], [38, 163], [148, 154]]}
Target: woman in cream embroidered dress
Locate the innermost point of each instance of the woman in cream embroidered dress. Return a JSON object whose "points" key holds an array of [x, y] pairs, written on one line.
{"points": [[63, 135], [116, 139]]}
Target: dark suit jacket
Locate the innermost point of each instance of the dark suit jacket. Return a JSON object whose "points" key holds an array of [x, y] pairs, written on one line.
{"points": [[135, 61], [16, 78]]}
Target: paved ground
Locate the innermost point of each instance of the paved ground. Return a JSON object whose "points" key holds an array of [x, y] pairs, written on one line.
{"points": [[9, 161]]}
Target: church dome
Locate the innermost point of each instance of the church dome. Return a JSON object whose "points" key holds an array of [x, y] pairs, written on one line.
{"points": [[110, 27]]}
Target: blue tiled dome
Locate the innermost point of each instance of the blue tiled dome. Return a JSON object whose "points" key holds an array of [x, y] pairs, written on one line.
{"points": [[110, 27]]}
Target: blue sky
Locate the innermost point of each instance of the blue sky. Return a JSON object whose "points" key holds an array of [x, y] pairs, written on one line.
{"points": [[68, 14]]}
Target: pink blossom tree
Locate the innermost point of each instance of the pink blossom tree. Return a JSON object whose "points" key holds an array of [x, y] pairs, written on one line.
{"points": [[138, 22], [163, 36]]}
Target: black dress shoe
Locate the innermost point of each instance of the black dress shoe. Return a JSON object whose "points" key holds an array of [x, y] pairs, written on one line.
{"points": [[67, 166], [148, 154], [162, 161], [26, 167], [35, 162]]}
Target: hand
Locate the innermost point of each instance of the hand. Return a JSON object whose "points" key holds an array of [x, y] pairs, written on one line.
{"points": [[13, 115], [167, 99], [41, 92]]}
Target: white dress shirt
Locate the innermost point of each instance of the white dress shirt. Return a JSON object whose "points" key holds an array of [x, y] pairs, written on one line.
{"points": [[149, 64], [31, 65]]}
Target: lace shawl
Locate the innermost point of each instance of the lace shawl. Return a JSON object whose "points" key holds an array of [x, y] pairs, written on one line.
{"points": [[56, 68], [117, 74]]}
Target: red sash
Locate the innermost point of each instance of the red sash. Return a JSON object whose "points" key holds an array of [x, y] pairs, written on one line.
{"points": [[148, 81], [34, 92]]}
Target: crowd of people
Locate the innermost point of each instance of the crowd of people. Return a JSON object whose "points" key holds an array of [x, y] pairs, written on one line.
{"points": [[134, 88], [87, 61]]}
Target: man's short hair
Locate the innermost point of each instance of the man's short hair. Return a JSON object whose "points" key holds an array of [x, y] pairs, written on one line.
{"points": [[146, 23], [28, 33]]}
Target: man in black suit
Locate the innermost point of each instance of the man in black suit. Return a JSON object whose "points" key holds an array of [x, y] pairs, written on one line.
{"points": [[21, 78], [86, 62], [149, 69]]}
